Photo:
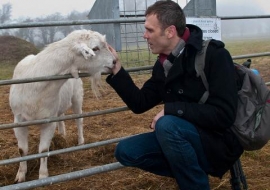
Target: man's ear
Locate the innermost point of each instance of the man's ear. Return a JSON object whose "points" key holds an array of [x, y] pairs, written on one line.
{"points": [[170, 31], [83, 49]]}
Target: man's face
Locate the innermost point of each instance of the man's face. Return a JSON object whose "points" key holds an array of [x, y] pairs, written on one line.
{"points": [[156, 36]]}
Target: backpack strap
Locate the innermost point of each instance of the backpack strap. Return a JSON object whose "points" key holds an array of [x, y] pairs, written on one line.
{"points": [[199, 67]]}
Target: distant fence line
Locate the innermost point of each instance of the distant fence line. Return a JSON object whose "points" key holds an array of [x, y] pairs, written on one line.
{"points": [[104, 21], [93, 170]]}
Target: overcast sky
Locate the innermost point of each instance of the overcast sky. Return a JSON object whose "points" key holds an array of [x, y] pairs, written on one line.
{"points": [[39, 8]]}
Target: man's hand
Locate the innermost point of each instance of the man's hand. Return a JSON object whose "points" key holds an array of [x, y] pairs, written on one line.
{"points": [[159, 115], [117, 65]]}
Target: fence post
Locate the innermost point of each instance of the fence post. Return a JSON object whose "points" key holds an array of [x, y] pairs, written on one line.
{"points": [[238, 177]]}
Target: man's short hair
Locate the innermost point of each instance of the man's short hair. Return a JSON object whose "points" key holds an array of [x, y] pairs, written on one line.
{"points": [[168, 13]]}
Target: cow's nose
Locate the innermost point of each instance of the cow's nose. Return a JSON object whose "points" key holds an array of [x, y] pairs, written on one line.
{"points": [[114, 61]]}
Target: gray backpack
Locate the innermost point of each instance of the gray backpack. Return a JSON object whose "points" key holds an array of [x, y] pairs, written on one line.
{"points": [[252, 124]]}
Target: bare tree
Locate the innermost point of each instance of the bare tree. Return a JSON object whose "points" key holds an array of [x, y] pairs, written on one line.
{"points": [[5, 13], [74, 15], [49, 34], [26, 33]]}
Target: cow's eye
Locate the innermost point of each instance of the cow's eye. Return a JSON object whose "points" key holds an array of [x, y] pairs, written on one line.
{"points": [[95, 49]]}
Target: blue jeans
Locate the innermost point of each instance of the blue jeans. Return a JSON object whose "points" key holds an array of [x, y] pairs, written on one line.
{"points": [[174, 149]]}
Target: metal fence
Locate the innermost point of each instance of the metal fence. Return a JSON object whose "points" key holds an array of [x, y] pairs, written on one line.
{"points": [[81, 173], [99, 169]]}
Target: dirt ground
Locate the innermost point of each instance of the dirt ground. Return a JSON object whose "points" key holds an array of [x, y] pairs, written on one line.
{"points": [[256, 164]]}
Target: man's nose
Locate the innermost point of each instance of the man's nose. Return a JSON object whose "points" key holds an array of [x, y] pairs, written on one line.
{"points": [[145, 35]]}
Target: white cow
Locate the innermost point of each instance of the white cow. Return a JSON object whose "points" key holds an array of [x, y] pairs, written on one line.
{"points": [[81, 50]]}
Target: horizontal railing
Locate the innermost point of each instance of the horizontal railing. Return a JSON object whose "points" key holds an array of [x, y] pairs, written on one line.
{"points": [[104, 21]]}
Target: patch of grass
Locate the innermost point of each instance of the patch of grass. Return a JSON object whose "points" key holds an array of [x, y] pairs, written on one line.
{"points": [[248, 46], [12, 50], [6, 70], [137, 58]]}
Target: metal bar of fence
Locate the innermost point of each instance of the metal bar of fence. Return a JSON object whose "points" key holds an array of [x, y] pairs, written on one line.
{"points": [[61, 151], [64, 177], [59, 77], [135, 69], [102, 21], [62, 118], [244, 17], [251, 55], [68, 23]]}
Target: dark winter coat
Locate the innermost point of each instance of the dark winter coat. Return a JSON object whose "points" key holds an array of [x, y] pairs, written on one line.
{"points": [[181, 91]]}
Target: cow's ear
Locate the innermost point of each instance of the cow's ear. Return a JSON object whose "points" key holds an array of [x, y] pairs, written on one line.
{"points": [[84, 50]]}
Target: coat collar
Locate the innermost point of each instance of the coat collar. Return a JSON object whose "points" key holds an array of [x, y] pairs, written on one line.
{"points": [[196, 37], [192, 37], [193, 44]]}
